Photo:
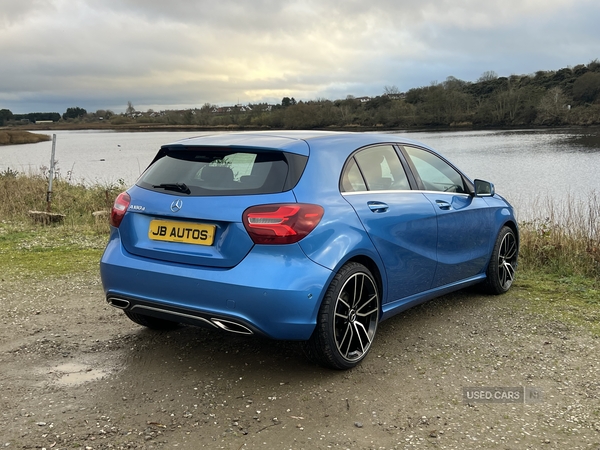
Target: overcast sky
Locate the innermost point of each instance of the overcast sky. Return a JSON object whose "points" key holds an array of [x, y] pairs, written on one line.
{"points": [[167, 54]]}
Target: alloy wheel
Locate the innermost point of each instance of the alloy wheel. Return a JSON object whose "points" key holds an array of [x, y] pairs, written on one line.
{"points": [[507, 258], [356, 316]]}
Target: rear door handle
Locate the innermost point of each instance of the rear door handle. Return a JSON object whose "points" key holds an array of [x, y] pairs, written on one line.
{"points": [[378, 207], [443, 205]]}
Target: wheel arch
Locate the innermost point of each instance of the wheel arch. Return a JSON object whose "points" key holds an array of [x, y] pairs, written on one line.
{"points": [[370, 264], [505, 216], [512, 224], [515, 228]]}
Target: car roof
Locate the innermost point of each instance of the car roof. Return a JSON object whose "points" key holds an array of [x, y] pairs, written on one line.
{"points": [[300, 142]]}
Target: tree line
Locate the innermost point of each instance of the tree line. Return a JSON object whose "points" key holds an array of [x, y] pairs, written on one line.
{"points": [[71, 113], [569, 96]]}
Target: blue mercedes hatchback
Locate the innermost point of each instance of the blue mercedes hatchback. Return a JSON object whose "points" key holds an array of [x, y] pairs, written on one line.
{"points": [[310, 236]]}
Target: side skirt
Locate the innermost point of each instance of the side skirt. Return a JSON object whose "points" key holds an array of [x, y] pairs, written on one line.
{"points": [[397, 306]]}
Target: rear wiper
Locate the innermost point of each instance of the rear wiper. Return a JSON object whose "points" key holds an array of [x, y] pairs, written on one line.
{"points": [[179, 187]]}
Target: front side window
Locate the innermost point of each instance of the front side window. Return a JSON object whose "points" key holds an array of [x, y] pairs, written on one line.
{"points": [[375, 169], [435, 173]]}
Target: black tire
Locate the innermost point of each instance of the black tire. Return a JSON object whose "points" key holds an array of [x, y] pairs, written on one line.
{"points": [[347, 319], [153, 323], [503, 263]]}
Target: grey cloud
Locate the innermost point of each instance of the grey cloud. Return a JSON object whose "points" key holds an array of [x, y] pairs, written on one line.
{"points": [[188, 53], [14, 12]]}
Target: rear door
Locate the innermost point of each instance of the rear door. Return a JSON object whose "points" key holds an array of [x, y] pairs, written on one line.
{"points": [[401, 223]]}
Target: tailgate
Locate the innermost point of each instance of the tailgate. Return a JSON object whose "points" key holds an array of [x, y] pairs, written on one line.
{"points": [[203, 231]]}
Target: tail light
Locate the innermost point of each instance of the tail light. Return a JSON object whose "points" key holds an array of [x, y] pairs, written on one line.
{"points": [[119, 209], [281, 223]]}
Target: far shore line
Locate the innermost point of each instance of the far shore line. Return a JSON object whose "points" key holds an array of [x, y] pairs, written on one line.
{"points": [[32, 133]]}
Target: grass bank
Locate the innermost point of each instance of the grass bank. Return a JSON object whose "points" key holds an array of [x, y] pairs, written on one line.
{"points": [[10, 137], [559, 267], [30, 249]]}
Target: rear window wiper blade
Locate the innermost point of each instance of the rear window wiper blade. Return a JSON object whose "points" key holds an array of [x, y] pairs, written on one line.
{"points": [[178, 187]]}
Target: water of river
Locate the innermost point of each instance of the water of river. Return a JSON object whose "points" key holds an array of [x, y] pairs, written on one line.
{"points": [[525, 165]]}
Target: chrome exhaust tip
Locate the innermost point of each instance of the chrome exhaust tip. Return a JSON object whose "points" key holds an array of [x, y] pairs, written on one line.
{"points": [[232, 327], [118, 302]]}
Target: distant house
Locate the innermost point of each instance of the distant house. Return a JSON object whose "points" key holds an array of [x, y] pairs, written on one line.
{"points": [[363, 99], [231, 109], [396, 96], [223, 109]]}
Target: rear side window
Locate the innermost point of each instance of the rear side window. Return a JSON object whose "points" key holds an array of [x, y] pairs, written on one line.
{"points": [[209, 171], [374, 169]]}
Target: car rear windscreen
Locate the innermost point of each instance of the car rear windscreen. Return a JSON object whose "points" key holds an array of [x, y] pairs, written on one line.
{"points": [[209, 171]]}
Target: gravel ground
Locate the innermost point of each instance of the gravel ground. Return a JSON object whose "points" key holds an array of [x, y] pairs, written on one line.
{"points": [[77, 373]]}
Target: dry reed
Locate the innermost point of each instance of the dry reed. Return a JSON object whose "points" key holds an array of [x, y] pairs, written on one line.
{"points": [[565, 237], [20, 193]]}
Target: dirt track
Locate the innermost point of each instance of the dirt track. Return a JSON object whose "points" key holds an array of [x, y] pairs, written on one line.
{"points": [[77, 373]]}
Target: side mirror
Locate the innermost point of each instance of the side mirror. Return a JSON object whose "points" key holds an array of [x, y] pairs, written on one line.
{"points": [[484, 189]]}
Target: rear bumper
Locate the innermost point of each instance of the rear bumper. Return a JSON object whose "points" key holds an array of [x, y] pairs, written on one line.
{"points": [[274, 295]]}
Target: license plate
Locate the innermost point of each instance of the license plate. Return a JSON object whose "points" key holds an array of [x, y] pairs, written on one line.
{"points": [[189, 233]]}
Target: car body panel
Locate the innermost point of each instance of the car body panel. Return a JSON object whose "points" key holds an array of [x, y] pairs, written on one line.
{"points": [[339, 237], [279, 142], [281, 304], [404, 232], [392, 308], [465, 223], [231, 243]]}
